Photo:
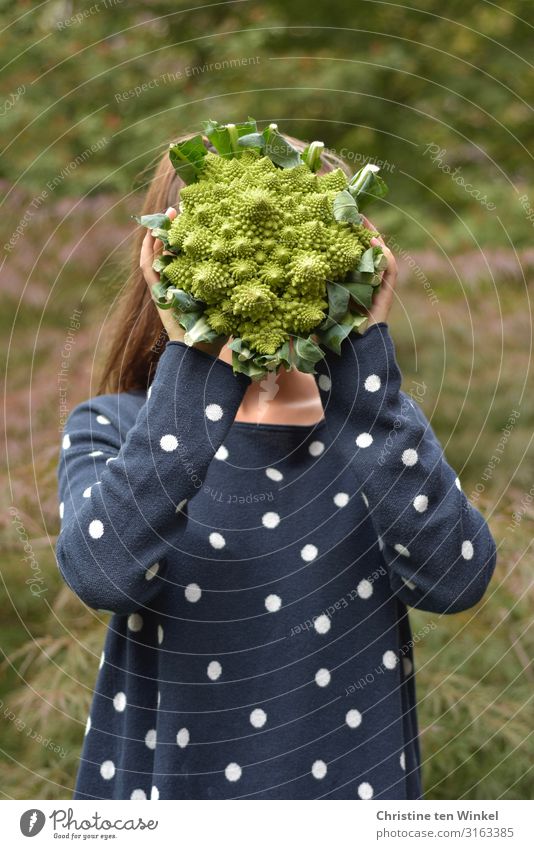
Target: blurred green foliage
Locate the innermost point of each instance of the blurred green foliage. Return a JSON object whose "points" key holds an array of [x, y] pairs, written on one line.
{"points": [[375, 79], [372, 79]]}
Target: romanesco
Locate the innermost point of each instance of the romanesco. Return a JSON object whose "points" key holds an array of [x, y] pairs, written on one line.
{"points": [[259, 243]]}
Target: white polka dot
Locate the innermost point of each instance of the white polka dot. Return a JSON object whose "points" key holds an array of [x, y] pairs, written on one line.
{"points": [[87, 492], [372, 383], [270, 520], [135, 621], [102, 659], [364, 440], [390, 659], [274, 474], [324, 382], [158, 700], [103, 420], [110, 460], [168, 442], [365, 499], [182, 738], [458, 484], [258, 718], [309, 552], [467, 549], [214, 412], [409, 457], [233, 772], [380, 543], [365, 791], [152, 571], [322, 624], [221, 453], [402, 760], [217, 540], [353, 718], [151, 738], [88, 725], [409, 584], [66, 441], [154, 793], [420, 503], [319, 769], [149, 392], [365, 589], [96, 529], [181, 505], [61, 510], [341, 499], [214, 670], [401, 549], [96, 454], [160, 634], [193, 593], [138, 794], [323, 678], [107, 770], [316, 447], [119, 702], [407, 665], [273, 603]]}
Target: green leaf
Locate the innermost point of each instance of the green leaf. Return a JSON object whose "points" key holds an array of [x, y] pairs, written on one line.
{"points": [[279, 150], [334, 336], [225, 137], [198, 330], [187, 158], [346, 208], [366, 185], [362, 293], [162, 235], [161, 262], [159, 294], [183, 301], [256, 140], [359, 322], [338, 300], [249, 367], [367, 262], [380, 259], [187, 320], [305, 354], [243, 351], [157, 221], [311, 155]]}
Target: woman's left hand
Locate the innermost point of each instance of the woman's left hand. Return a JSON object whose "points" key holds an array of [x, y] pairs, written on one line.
{"points": [[383, 298]]}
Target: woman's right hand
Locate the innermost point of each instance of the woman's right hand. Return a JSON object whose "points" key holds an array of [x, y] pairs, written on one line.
{"points": [[150, 249]]}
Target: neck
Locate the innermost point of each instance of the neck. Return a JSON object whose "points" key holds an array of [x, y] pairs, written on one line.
{"points": [[287, 397]]}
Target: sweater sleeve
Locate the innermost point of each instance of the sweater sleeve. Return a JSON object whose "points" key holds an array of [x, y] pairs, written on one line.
{"points": [[123, 500], [437, 547]]}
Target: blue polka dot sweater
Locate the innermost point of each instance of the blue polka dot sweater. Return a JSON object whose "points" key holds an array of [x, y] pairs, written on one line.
{"points": [[259, 579]]}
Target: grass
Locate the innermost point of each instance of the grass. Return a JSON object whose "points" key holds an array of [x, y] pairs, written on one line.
{"points": [[472, 350]]}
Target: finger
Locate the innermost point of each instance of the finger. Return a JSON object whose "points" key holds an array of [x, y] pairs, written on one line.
{"points": [[147, 258], [146, 249]]}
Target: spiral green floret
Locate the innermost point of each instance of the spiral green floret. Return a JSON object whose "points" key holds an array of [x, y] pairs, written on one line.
{"points": [[252, 299], [265, 338], [210, 280]]}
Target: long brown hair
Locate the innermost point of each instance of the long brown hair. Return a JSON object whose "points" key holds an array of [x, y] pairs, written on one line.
{"points": [[137, 335]]}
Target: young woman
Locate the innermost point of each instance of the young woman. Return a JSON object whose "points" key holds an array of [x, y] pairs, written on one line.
{"points": [[258, 546]]}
